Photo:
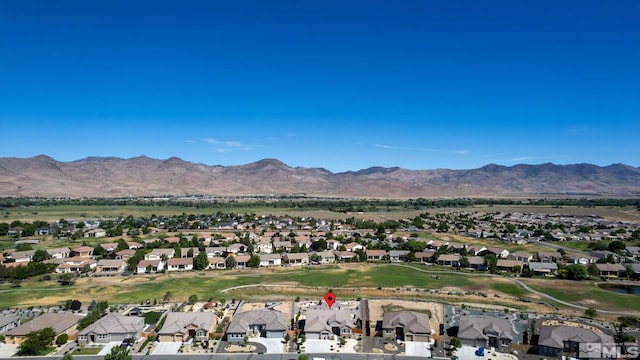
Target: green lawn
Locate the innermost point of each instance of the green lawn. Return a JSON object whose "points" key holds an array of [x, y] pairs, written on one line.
{"points": [[587, 290], [87, 351]]}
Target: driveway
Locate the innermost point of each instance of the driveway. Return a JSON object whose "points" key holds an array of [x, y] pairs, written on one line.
{"points": [[107, 348], [417, 348], [7, 350], [469, 353], [274, 346], [166, 348]]}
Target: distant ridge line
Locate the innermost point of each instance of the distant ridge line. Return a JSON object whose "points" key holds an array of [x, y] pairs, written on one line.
{"points": [[95, 176]]}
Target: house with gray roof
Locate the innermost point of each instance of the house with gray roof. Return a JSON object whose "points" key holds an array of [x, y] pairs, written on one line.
{"points": [[406, 326], [112, 327], [556, 339], [324, 323], [540, 268], [181, 326], [397, 255], [9, 322], [267, 323], [485, 331], [59, 322]]}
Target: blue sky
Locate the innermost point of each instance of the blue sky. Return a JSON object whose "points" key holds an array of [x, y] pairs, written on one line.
{"points": [[343, 85]]}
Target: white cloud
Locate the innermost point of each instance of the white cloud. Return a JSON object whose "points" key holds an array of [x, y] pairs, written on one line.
{"points": [[382, 146], [228, 145], [461, 152]]}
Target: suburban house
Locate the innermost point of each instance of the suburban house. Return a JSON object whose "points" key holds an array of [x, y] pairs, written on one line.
{"points": [[265, 323], [353, 246], [344, 255], [633, 251], [22, 256], [477, 263], [605, 255], [9, 322], [95, 233], [83, 251], [324, 323], [110, 247], [424, 256], [296, 259], [406, 326], [612, 270], [242, 260], [217, 262], [112, 327], [75, 264], [149, 266], [180, 326], [156, 254], [125, 254], [509, 265], [549, 256], [180, 264], [215, 251], [267, 260], [576, 258], [326, 257], [106, 267], [540, 268], [520, 256], [398, 255], [449, 260], [58, 253], [263, 246], [556, 339], [282, 245], [61, 323], [376, 255], [485, 331]]}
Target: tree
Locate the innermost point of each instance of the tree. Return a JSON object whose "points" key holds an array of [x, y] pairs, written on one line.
{"points": [[577, 272], [230, 262], [464, 262], [62, 339], [193, 299], [39, 256], [36, 342], [201, 261], [118, 353], [591, 313], [491, 262], [67, 356], [167, 297], [254, 261]]}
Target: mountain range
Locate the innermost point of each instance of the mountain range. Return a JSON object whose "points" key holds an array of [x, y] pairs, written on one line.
{"points": [[42, 176]]}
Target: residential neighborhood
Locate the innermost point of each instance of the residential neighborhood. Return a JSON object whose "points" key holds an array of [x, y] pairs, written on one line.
{"points": [[494, 243]]}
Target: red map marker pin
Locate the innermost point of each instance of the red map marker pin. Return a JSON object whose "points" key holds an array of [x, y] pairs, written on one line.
{"points": [[330, 298]]}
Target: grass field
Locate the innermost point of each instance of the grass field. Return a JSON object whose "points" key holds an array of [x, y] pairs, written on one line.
{"points": [[55, 212], [348, 281]]}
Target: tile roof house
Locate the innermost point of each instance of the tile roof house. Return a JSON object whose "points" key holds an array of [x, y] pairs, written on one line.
{"points": [[326, 257], [149, 266], [406, 325], [485, 331], [217, 262], [376, 255], [58, 253], [424, 256], [611, 270], [553, 340], [266, 323], [83, 251], [180, 326], [112, 327], [324, 323], [106, 267], [267, 260], [179, 264], [156, 254], [75, 264], [296, 259], [344, 255], [59, 322]]}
